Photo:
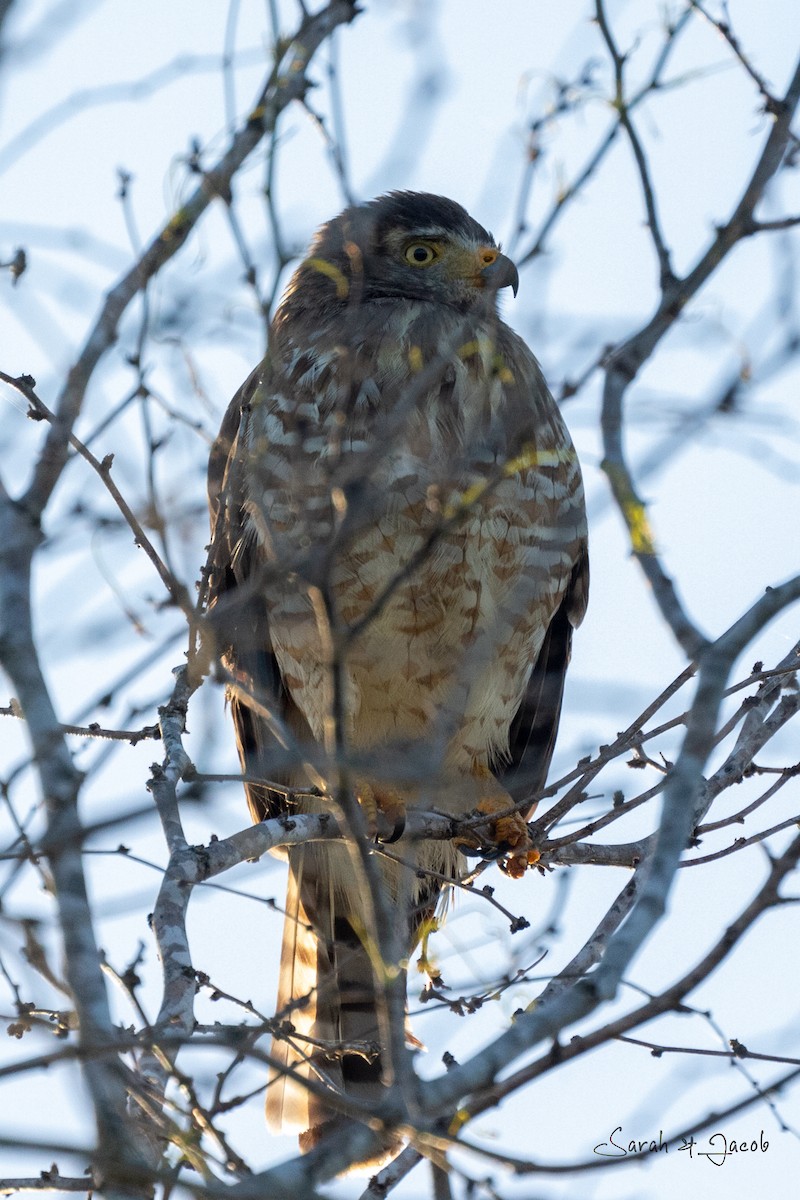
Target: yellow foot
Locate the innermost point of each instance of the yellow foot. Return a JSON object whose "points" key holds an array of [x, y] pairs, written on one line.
{"points": [[384, 809], [509, 829]]}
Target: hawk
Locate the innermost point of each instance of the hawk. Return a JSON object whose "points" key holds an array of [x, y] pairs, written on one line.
{"points": [[398, 560]]}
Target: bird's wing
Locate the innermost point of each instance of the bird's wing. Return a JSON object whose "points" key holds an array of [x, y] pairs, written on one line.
{"points": [[237, 610], [535, 725]]}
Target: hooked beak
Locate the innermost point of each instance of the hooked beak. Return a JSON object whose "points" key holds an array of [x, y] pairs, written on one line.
{"points": [[500, 274]]}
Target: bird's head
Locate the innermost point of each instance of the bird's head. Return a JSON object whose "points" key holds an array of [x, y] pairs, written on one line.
{"points": [[409, 245]]}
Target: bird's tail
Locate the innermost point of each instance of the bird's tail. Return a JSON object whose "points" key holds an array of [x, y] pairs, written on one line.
{"points": [[326, 1000]]}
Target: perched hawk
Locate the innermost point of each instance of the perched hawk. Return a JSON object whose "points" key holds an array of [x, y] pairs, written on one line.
{"points": [[397, 564]]}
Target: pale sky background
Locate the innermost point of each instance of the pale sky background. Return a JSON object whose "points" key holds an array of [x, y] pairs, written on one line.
{"points": [[72, 112]]}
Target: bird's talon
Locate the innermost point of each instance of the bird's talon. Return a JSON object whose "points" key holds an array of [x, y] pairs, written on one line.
{"points": [[510, 833], [398, 829], [516, 865], [510, 830], [383, 810], [475, 848]]}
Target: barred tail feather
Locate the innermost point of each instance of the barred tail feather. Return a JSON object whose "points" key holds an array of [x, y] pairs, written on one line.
{"points": [[326, 991], [287, 1096]]}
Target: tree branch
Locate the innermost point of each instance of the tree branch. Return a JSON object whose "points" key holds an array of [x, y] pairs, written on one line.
{"points": [[624, 362], [287, 81]]}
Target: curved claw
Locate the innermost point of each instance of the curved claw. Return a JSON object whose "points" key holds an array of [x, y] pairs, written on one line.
{"points": [[476, 849], [398, 830]]}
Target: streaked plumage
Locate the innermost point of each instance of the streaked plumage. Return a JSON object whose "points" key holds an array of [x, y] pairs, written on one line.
{"points": [[398, 451]]}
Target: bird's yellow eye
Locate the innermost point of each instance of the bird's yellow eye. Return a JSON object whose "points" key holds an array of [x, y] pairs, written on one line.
{"points": [[420, 254]]}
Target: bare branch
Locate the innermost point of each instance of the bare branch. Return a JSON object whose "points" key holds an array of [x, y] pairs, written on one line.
{"points": [[666, 274], [48, 1181], [624, 362], [287, 81]]}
